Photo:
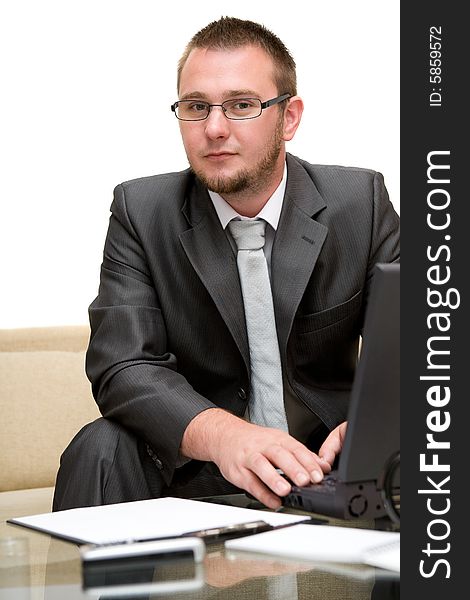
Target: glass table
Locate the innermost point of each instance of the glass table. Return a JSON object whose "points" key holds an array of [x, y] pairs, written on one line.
{"points": [[35, 566]]}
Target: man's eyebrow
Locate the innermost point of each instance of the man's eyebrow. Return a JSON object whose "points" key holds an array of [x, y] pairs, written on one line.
{"points": [[246, 93], [194, 95]]}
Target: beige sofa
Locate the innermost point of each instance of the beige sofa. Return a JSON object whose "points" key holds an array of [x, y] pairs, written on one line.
{"points": [[45, 398]]}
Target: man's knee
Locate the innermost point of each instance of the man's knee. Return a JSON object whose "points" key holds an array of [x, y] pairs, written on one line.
{"points": [[103, 465], [96, 441]]}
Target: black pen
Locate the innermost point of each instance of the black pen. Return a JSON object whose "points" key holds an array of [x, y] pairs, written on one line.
{"points": [[228, 532]]}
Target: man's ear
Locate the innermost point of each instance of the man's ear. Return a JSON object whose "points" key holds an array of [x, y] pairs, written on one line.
{"points": [[292, 116]]}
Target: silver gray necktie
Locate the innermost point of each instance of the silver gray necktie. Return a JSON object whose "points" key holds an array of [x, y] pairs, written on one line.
{"points": [[266, 405]]}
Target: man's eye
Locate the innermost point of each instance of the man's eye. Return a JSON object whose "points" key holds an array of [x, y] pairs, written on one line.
{"points": [[242, 105], [197, 106]]}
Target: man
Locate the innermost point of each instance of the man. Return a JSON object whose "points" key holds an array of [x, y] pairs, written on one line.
{"points": [[189, 405]]}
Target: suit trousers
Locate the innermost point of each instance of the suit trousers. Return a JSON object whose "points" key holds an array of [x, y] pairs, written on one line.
{"points": [[105, 464]]}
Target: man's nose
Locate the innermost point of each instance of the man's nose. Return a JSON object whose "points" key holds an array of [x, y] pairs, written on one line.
{"points": [[217, 124]]}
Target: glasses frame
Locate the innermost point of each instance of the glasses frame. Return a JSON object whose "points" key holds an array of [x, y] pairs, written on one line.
{"points": [[264, 105]]}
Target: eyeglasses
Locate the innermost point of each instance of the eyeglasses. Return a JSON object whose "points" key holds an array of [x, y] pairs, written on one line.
{"points": [[237, 109]]}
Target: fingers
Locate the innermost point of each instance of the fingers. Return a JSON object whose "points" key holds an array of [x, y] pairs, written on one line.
{"points": [[260, 465], [297, 462], [259, 474], [333, 444], [251, 457], [255, 486], [315, 465]]}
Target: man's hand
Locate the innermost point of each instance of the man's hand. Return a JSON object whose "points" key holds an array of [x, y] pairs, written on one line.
{"points": [[333, 444], [248, 455]]}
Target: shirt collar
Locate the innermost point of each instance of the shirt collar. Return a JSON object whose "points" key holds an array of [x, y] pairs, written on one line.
{"points": [[270, 212]]}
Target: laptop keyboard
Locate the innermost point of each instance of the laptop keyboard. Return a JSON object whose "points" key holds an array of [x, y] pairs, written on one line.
{"points": [[330, 480], [326, 486]]}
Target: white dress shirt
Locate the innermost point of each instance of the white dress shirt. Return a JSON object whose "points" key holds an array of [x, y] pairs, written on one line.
{"points": [[270, 213]]}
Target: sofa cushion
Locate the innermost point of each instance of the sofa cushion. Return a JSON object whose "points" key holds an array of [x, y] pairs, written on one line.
{"points": [[71, 338], [45, 398]]}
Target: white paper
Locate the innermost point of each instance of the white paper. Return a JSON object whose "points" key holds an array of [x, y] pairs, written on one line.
{"points": [[317, 542], [386, 556], [146, 519]]}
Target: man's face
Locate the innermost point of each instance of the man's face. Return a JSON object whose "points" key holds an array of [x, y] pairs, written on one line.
{"points": [[233, 156]]}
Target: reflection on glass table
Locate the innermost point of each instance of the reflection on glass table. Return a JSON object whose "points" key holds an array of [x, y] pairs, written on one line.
{"points": [[51, 569]]}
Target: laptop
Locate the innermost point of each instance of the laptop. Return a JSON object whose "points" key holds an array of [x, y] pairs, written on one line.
{"points": [[366, 483]]}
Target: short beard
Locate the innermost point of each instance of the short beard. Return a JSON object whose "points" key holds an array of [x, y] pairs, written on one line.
{"points": [[253, 180]]}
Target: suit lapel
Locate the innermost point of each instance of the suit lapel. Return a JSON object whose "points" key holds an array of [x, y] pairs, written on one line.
{"points": [[209, 251], [297, 244]]}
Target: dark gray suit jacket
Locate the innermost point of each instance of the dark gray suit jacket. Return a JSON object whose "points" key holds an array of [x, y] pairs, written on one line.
{"points": [[168, 331]]}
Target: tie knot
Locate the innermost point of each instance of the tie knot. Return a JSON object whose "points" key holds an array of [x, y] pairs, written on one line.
{"points": [[248, 235]]}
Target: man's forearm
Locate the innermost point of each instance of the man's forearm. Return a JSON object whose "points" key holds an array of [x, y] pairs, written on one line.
{"points": [[202, 436]]}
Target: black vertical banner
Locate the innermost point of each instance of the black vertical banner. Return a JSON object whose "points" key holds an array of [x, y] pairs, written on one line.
{"points": [[435, 270]]}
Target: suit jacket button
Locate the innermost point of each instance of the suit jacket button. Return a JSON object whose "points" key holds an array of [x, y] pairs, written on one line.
{"points": [[242, 394], [157, 462]]}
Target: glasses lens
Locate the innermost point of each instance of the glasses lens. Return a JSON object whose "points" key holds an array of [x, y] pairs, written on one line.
{"points": [[242, 108], [192, 110]]}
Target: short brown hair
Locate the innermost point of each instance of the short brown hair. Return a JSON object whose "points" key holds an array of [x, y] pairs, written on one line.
{"points": [[228, 33]]}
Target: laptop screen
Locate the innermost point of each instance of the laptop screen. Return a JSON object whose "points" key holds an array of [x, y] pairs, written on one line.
{"points": [[373, 434]]}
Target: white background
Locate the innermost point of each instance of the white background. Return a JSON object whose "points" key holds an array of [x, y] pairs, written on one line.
{"points": [[86, 90]]}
